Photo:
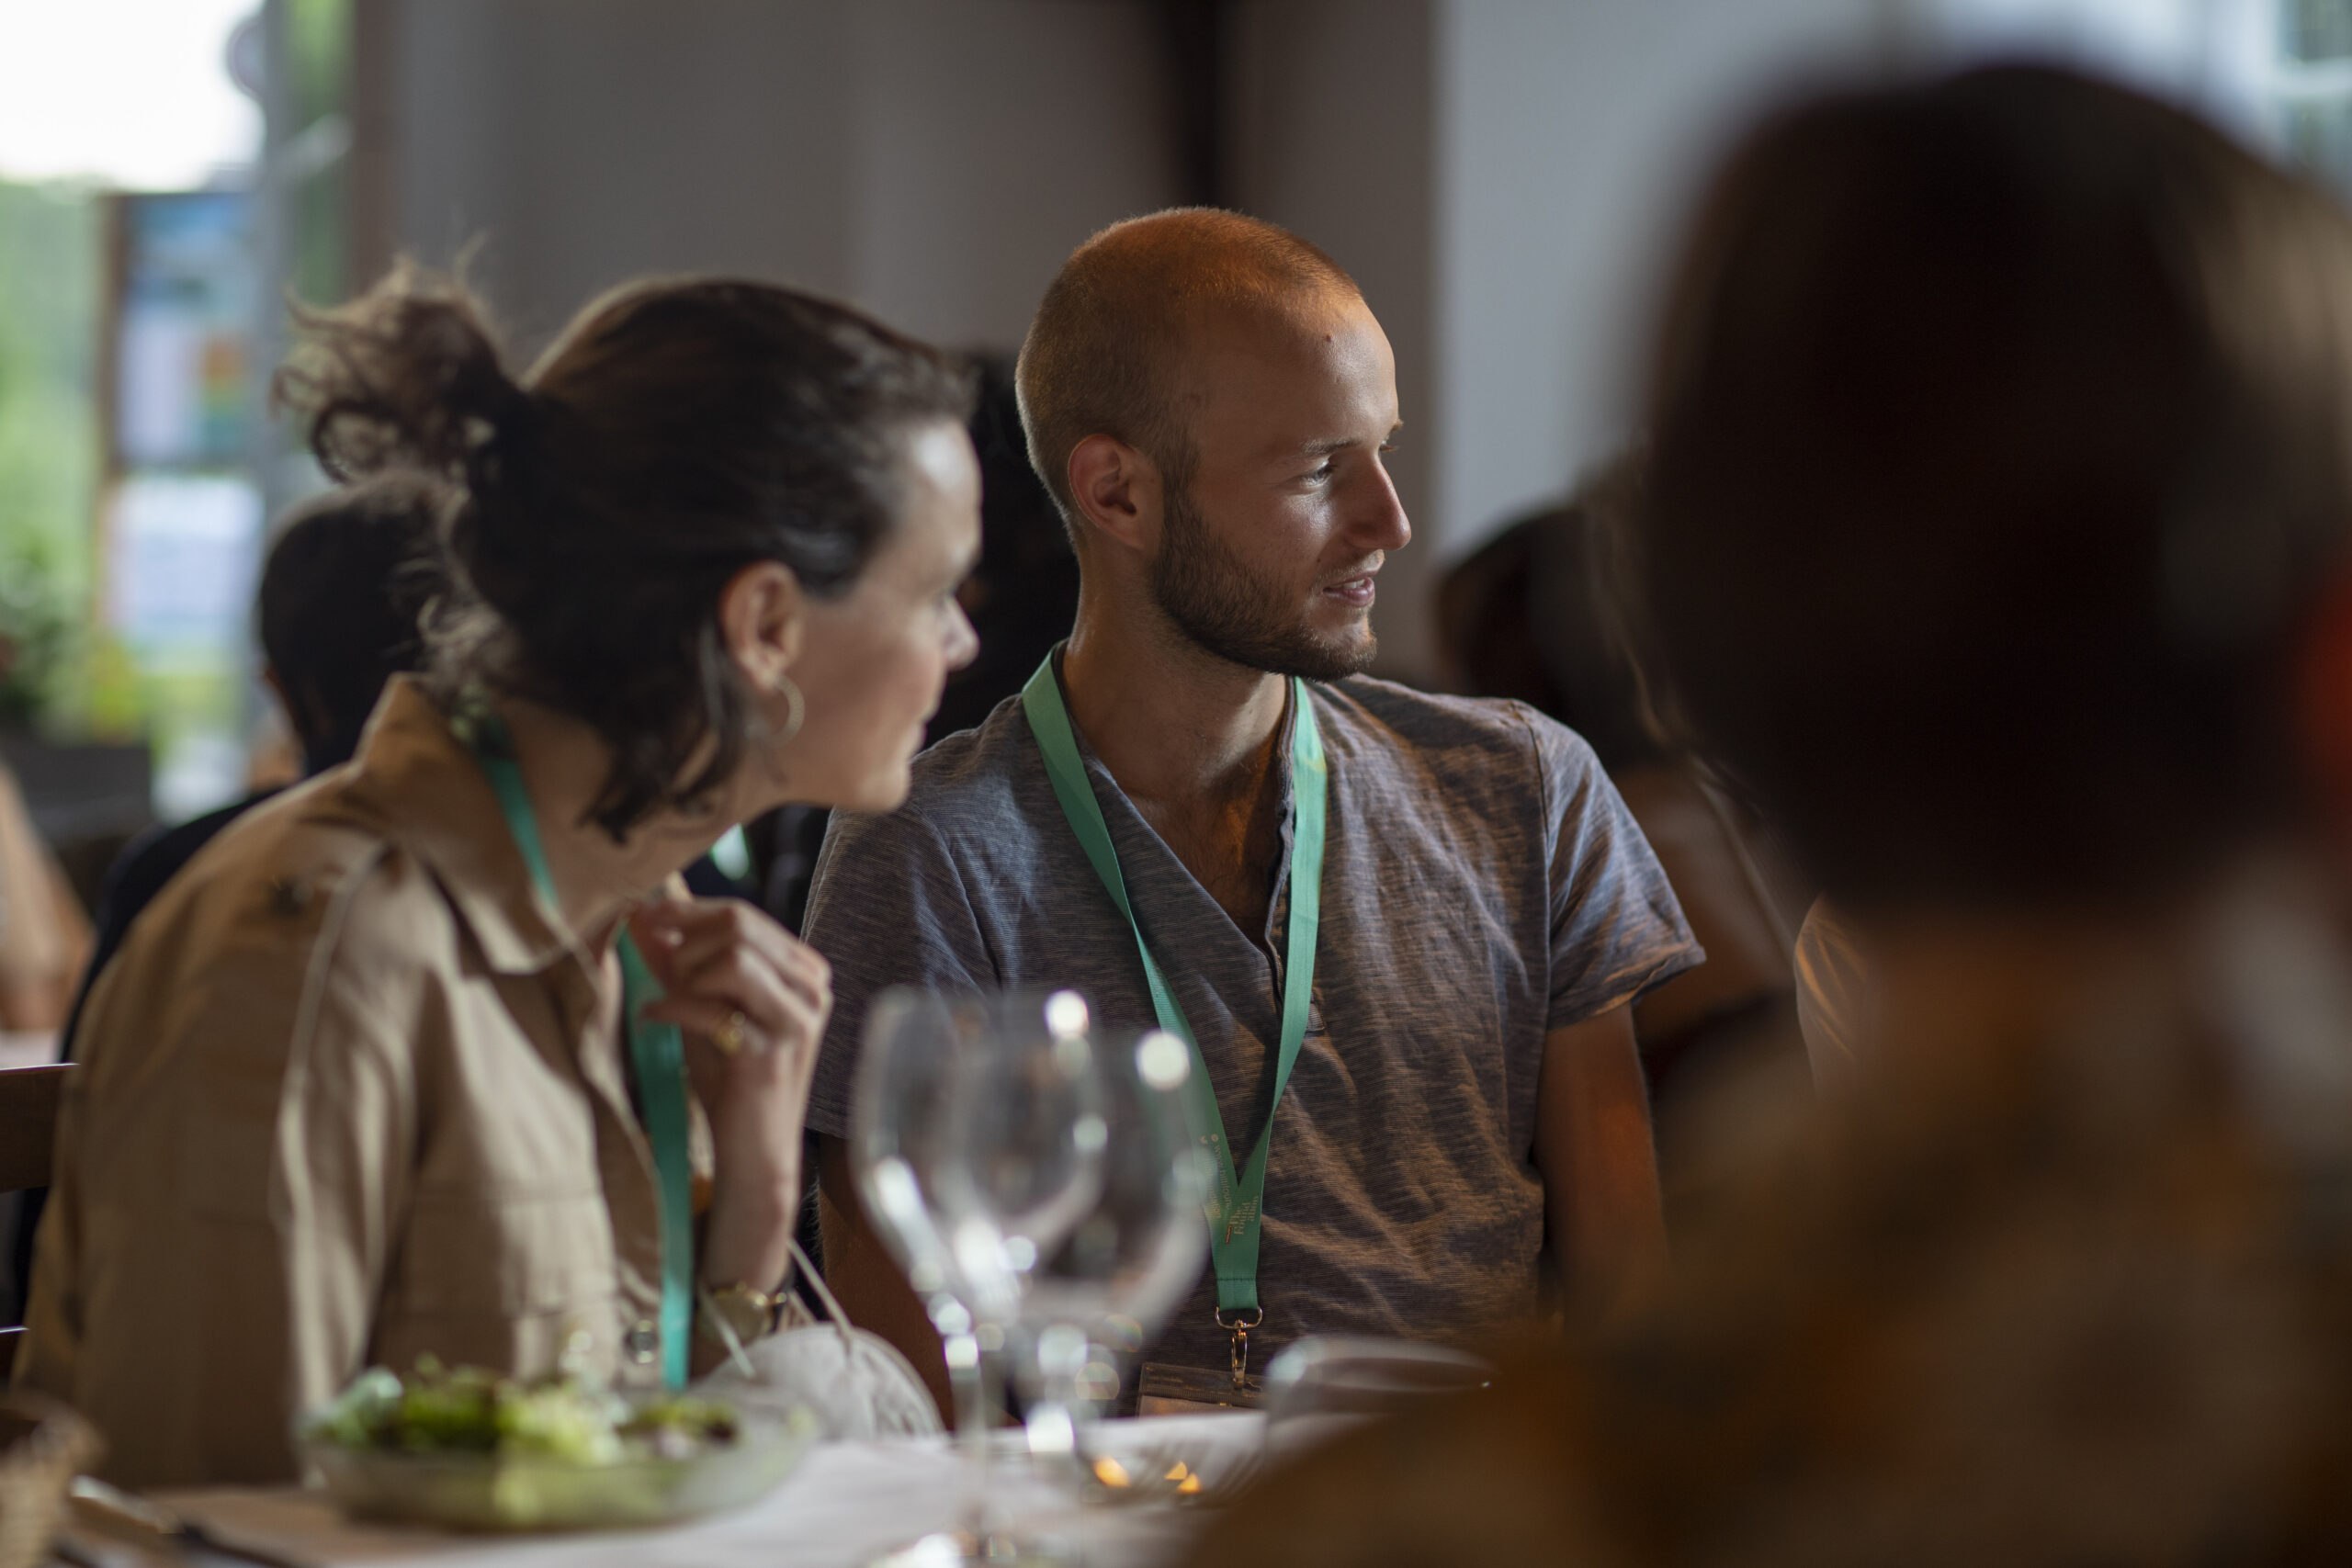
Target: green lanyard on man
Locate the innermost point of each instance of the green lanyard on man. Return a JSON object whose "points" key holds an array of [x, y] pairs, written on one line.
{"points": [[1236, 1204]]}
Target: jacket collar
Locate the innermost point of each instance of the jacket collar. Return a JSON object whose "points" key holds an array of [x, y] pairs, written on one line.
{"points": [[414, 773]]}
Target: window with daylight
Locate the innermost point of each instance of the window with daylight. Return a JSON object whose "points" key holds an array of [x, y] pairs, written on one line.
{"points": [[2312, 86]]}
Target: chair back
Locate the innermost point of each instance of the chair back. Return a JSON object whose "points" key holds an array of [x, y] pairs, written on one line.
{"points": [[28, 1101]]}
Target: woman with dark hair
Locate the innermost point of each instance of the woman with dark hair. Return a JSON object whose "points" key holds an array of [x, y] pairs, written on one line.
{"points": [[431, 1055]]}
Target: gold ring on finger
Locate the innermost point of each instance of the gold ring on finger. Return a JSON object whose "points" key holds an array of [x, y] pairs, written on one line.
{"points": [[730, 1036]]}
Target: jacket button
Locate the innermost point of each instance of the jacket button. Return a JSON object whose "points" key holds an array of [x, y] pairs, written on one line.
{"points": [[643, 1341], [288, 895]]}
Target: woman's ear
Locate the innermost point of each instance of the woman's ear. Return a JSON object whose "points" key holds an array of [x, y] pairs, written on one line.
{"points": [[762, 615]]}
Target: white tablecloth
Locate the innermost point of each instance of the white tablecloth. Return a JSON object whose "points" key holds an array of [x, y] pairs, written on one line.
{"points": [[848, 1503], [27, 1050]]}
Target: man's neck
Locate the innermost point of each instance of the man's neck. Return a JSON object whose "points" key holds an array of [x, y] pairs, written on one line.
{"points": [[1191, 739], [564, 764], [1175, 724]]}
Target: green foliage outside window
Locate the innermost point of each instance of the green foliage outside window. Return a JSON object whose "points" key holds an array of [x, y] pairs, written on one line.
{"points": [[50, 273], [318, 55]]}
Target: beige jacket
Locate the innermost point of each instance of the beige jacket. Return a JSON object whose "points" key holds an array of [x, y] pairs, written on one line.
{"points": [[346, 1099]]}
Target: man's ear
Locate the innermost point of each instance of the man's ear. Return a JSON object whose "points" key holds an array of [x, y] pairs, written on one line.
{"points": [[1118, 490], [762, 617]]}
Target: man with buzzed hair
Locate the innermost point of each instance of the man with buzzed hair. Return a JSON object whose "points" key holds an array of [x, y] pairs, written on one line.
{"points": [[1400, 932]]}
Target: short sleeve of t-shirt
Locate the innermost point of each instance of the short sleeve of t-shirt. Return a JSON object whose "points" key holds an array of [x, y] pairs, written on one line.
{"points": [[897, 916], [1616, 928]]}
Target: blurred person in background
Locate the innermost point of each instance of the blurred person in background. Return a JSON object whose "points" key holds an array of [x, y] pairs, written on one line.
{"points": [[1833, 1011], [44, 934], [1022, 597], [410, 1061], [1998, 539], [336, 613], [1208, 399], [1540, 614], [341, 590]]}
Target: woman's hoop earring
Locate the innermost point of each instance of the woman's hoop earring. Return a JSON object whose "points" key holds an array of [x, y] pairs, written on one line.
{"points": [[796, 710]]}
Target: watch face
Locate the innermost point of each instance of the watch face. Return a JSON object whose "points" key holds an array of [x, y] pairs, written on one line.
{"points": [[745, 1311]]}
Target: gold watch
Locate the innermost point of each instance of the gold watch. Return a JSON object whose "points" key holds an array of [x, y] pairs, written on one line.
{"points": [[740, 1310]]}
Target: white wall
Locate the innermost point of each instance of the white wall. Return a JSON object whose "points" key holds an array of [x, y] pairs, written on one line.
{"points": [[583, 142], [934, 160], [992, 137], [1331, 135], [1503, 177], [1569, 137]]}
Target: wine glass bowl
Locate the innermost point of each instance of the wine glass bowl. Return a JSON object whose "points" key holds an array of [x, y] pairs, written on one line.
{"points": [[1097, 1299], [1027, 1142], [978, 1142], [901, 1140], [901, 1129]]}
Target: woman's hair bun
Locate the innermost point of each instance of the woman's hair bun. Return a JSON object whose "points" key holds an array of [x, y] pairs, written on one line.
{"points": [[410, 374]]}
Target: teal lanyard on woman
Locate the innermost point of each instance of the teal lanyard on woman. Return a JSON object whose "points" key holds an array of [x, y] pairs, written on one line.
{"points": [[657, 1051], [1236, 1207]]}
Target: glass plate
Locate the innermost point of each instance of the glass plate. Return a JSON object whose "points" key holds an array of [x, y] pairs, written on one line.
{"points": [[483, 1492]]}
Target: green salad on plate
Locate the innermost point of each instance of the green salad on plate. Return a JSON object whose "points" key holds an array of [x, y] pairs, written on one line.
{"points": [[474, 1449]]}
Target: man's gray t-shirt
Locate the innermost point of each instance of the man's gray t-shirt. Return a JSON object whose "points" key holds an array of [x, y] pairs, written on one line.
{"points": [[1482, 885]]}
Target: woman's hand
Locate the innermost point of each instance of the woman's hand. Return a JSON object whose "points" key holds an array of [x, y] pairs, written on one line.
{"points": [[734, 977]]}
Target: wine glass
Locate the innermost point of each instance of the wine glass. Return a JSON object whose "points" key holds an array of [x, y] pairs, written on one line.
{"points": [[1128, 1261], [1026, 1146], [975, 1146], [898, 1140]]}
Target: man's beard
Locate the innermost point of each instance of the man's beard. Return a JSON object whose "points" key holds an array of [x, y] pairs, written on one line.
{"points": [[1226, 610]]}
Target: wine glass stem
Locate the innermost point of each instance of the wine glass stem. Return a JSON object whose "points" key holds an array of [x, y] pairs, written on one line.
{"points": [[967, 1380]]}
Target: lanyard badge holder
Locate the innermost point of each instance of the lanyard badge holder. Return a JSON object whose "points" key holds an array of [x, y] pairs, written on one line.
{"points": [[1236, 1202], [657, 1051]]}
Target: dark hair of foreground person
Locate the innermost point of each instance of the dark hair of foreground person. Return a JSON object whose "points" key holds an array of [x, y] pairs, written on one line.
{"points": [[2031, 398], [2000, 486]]}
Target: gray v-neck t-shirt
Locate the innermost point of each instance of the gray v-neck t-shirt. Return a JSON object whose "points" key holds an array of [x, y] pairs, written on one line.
{"points": [[1482, 885]]}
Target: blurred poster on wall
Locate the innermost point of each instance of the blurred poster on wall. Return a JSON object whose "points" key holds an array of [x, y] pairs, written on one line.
{"points": [[185, 548], [183, 390], [181, 523], [183, 554]]}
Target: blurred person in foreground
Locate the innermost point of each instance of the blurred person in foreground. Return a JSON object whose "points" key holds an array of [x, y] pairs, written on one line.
{"points": [[1209, 400], [411, 1060], [1998, 539]]}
